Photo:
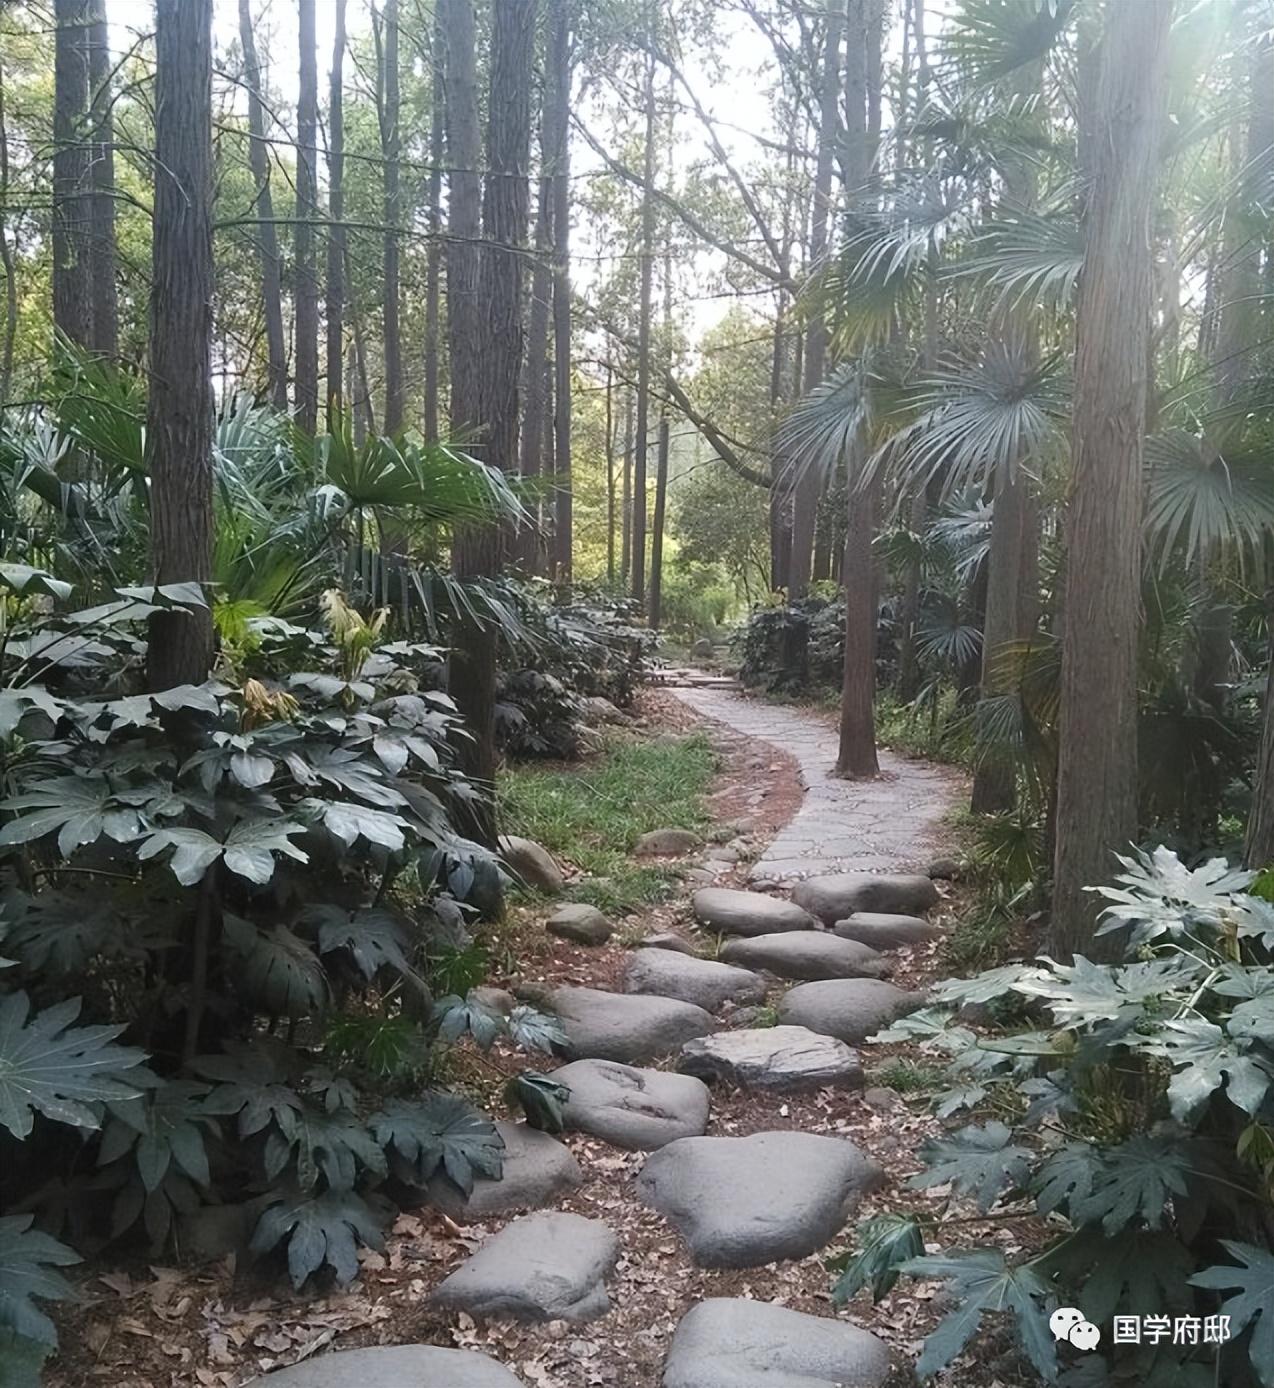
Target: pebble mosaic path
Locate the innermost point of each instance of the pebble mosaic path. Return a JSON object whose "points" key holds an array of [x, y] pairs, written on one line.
{"points": [[889, 824]]}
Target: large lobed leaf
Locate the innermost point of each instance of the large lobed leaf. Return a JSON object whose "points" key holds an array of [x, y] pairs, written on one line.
{"points": [[320, 1229], [440, 1131], [27, 1262]]}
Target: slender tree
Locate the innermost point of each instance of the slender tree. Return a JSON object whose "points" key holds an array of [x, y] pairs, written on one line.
{"points": [[1097, 770], [6, 258], [537, 338], [307, 217], [808, 484], [179, 416], [103, 269], [336, 241], [72, 205], [559, 130], [637, 551], [433, 256], [390, 143], [267, 236]]}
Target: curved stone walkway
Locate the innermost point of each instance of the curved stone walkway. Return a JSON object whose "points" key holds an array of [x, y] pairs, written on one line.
{"points": [[888, 824]]}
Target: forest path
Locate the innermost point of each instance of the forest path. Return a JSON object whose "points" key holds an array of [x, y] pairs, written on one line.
{"points": [[892, 823]]}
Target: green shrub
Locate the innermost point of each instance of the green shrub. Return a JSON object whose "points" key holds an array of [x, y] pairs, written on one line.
{"points": [[1135, 1118]]}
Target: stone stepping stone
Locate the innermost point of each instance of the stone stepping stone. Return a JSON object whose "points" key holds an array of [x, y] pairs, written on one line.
{"points": [[666, 939], [666, 843], [776, 1058], [728, 1342], [393, 1366], [537, 1169], [730, 912], [840, 894], [851, 1009], [703, 982], [531, 864], [740, 1202], [878, 930], [640, 1110], [624, 1026], [543, 1267], [581, 924], [805, 955]]}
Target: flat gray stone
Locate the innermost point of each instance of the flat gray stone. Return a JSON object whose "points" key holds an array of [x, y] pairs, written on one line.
{"points": [[735, 1343], [581, 924], [851, 1009], [944, 870], [703, 982], [640, 1110], [666, 843], [666, 939], [805, 954], [543, 1267], [778, 1058], [531, 864], [624, 1026], [731, 912], [394, 1366], [879, 930], [740, 1202], [537, 1169], [840, 894]]}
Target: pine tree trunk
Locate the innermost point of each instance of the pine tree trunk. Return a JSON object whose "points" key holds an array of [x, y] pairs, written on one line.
{"points": [[490, 382], [610, 476], [179, 417], [559, 63], [808, 484], [391, 140], [433, 260], [537, 341], [1097, 768], [307, 215], [335, 308], [267, 235], [626, 510], [661, 464], [105, 301], [637, 553], [72, 204]]}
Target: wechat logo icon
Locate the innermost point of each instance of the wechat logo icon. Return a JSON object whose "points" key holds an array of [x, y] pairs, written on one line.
{"points": [[1069, 1324]]}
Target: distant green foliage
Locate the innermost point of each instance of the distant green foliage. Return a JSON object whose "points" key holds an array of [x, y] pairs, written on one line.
{"points": [[1136, 1114]]}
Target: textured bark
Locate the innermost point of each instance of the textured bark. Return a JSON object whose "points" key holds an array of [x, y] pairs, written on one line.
{"points": [[626, 510], [661, 463], [498, 329], [637, 554], [537, 339], [276, 351], [390, 145], [307, 216], [179, 417], [433, 261], [72, 204], [335, 308], [559, 62], [6, 258], [1097, 772], [104, 337], [1258, 848], [857, 754], [610, 475]]}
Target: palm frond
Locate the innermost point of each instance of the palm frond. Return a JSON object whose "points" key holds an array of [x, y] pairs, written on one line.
{"points": [[987, 41], [1026, 258], [1200, 498], [825, 428]]}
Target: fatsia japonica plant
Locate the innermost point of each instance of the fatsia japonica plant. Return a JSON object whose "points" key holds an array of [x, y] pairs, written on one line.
{"points": [[219, 906], [1125, 1113]]}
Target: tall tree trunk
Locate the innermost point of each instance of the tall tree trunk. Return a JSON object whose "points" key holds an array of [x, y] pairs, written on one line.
{"points": [[179, 415], [307, 215], [477, 549], [72, 205], [464, 203], [610, 474], [809, 483], [390, 143], [642, 443], [105, 302], [559, 129], [537, 338], [6, 258], [1097, 768], [433, 259], [857, 752], [267, 234], [336, 216], [626, 510]]}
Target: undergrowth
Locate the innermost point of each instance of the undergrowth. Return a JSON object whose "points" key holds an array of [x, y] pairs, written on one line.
{"points": [[593, 816]]}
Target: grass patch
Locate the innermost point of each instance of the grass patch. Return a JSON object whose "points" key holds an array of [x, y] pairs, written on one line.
{"points": [[910, 1077], [593, 816]]}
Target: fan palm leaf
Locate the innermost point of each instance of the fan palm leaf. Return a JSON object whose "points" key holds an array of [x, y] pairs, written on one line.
{"points": [[987, 41], [1026, 258], [825, 429]]}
